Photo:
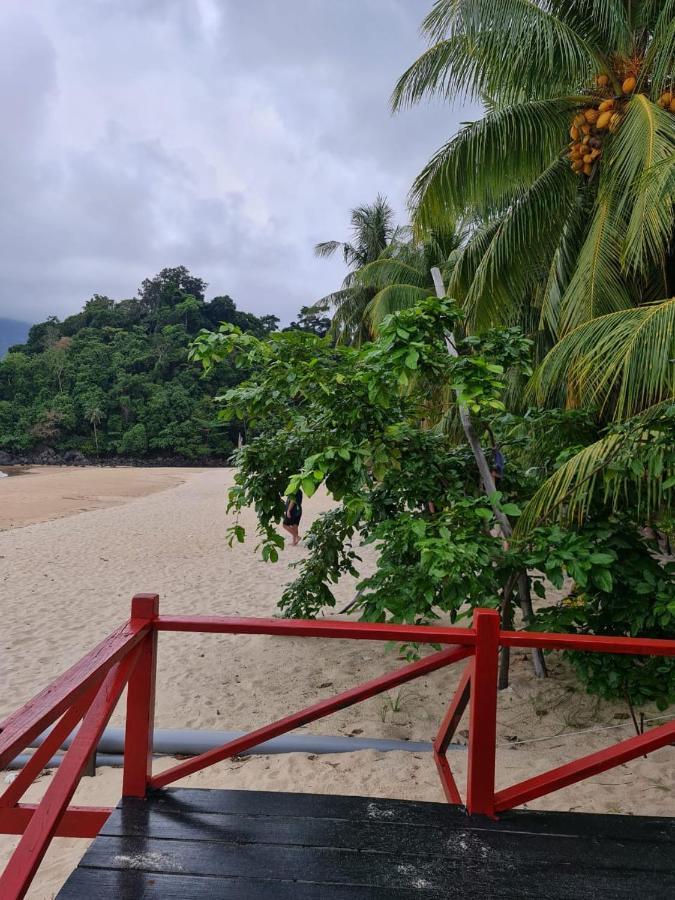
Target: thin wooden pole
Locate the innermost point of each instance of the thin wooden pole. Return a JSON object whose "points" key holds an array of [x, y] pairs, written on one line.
{"points": [[490, 488]]}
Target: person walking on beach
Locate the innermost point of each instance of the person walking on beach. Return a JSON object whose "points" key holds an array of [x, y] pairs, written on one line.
{"points": [[292, 516]]}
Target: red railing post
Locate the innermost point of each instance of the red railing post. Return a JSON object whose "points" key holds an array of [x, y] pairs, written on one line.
{"points": [[141, 703], [480, 793]]}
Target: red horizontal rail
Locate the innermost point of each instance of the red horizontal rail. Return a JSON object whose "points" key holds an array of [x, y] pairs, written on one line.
{"points": [[23, 726], [588, 643], [312, 713], [420, 634], [320, 628], [586, 767], [76, 822]]}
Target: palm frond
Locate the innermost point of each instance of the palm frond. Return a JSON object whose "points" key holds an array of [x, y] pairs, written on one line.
{"points": [[597, 285], [645, 139], [506, 50], [606, 20], [521, 247], [387, 271], [550, 292], [392, 299], [621, 363], [489, 159], [327, 248], [660, 56], [637, 462]]}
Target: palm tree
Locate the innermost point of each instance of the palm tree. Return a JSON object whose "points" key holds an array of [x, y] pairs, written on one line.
{"points": [[401, 275], [372, 230], [579, 229], [94, 416]]}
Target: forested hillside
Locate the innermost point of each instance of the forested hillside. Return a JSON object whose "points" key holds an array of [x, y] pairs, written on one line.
{"points": [[114, 379]]}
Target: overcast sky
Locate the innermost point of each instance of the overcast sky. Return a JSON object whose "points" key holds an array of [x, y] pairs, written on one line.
{"points": [[226, 135]]}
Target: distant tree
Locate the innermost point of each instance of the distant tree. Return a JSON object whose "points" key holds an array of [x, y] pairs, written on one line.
{"points": [[134, 441], [43, 335], [401, 275], [372, 229], [310, 321], [94, 414], [170, 288]]}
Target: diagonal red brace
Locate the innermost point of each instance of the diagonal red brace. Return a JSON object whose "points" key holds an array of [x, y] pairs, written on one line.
{"points": [[455, 711], [312, 713], [586, 767]]}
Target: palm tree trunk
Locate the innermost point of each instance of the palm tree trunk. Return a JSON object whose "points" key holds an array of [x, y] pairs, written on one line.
{"points": [[524, 598]]}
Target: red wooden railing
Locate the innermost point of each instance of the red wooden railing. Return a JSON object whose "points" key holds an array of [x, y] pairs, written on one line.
{"points": [[89, 691]]}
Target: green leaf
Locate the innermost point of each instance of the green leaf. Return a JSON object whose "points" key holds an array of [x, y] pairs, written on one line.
{"points": [[308, 486], [510, 509], [603, 580]]}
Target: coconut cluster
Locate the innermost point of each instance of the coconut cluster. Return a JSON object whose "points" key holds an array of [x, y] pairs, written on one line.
{"points": [[591, 125], [601, 117], [667, 101]]}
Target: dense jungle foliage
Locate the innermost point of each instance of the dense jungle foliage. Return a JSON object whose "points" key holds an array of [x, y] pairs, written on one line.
{"points": [[114, 379]]}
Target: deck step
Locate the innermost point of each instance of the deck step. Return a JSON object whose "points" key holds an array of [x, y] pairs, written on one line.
{"points": [[196, 844]]}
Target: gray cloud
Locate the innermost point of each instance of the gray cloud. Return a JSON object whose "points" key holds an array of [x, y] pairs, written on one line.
{"points": [[226, 135]]}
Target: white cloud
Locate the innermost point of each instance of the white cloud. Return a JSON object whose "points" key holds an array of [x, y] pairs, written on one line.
{"points": [[224, 135]]}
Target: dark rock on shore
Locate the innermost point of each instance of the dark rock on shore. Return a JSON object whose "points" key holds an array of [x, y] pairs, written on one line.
{"points": [[47, 456]]}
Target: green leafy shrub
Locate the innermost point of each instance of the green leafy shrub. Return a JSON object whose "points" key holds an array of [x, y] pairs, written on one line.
{"points": [[621, 588]]}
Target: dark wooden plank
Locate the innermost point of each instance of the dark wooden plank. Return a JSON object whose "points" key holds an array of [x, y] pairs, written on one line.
{"points": [[421, 813], [274, 863], [125, 884], [450, 839], [317, 806], [475, 870]]}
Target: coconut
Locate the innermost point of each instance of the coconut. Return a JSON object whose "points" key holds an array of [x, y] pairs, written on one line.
{"points": [[604, 119], [585, 129], [577, 165], [574, 133], [591, 115], [589, 157], [586, 139], [605, 105], [602, 80], [595, 153], [588, 168], [579, 120], [629, 85]]}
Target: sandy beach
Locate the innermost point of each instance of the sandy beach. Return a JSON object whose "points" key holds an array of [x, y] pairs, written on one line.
{"points": [[42, 493], [67, 579]]}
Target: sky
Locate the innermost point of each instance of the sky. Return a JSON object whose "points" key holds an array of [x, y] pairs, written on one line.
{"points": [[229, 136]]}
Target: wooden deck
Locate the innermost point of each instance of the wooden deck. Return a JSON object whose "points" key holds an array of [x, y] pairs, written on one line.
{"points": [[198, 844]]}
